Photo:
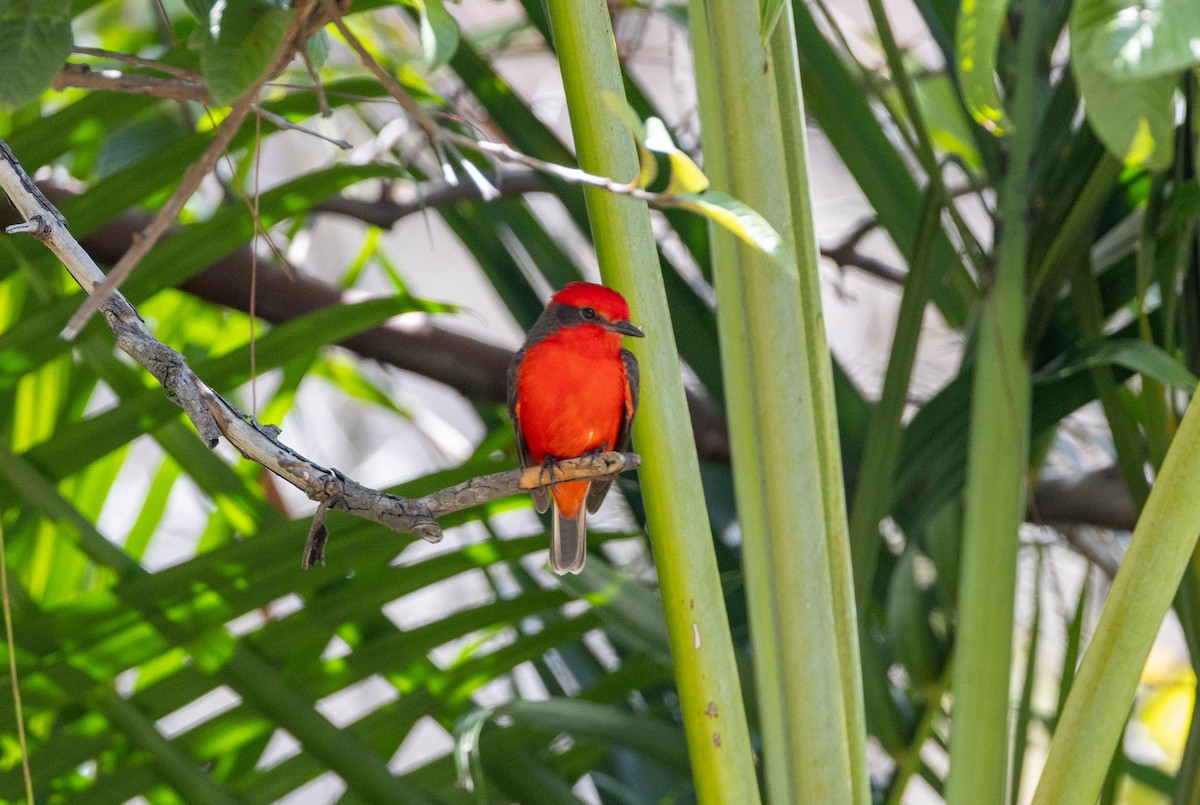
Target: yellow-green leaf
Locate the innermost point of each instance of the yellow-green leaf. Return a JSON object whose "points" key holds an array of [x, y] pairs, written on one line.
{"points": [[686, 176], [978, 34], [739, 219]]}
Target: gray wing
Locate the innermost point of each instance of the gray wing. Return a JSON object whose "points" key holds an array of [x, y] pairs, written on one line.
{"points": [[633, 377], [541, 497]]}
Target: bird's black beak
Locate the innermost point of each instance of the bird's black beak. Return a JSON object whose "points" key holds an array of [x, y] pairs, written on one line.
{"points": [[624, 328]]}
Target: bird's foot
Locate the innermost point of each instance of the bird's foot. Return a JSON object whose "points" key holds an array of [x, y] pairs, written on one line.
{"points": [[597, 451], [549, 467]]}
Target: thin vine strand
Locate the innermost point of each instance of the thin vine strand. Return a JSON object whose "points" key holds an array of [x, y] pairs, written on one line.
{"points": [[12, 668]]}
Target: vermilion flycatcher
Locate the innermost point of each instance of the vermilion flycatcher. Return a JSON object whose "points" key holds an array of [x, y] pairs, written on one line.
{"points": [[572, 390]]}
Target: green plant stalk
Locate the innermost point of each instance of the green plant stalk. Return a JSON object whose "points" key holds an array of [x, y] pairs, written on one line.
{"points": [[831, 95], [1127, 440], [765, 634], [788, 448], [1098, 705], [881, 446], [1097, 708], [701, 645], [997, 457], [783, 49]]}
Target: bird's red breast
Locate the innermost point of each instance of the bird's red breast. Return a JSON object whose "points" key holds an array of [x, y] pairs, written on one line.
{"points": [[573, 395], [573, 390]]}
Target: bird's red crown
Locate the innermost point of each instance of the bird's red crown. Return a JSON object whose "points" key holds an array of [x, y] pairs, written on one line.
{"points": [[605, 301]]}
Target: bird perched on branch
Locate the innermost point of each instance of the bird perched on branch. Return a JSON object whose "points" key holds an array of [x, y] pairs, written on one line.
{"points": [[572, 390]]}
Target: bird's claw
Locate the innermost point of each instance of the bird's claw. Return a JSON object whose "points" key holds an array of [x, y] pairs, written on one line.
{"points": [[549, 465]]}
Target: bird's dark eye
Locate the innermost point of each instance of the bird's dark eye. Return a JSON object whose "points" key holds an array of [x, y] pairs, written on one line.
{"points": [[587, 313]]}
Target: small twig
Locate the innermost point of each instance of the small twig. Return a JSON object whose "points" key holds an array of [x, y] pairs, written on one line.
{"points": [[318, 535], [129, 58], [284, 123], [84, 77], [435, 193], [191, 180], [576, 176], [318, 85], [846, 256]]}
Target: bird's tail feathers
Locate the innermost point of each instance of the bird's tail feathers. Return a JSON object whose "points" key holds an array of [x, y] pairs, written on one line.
{"points": [[568, 542]]}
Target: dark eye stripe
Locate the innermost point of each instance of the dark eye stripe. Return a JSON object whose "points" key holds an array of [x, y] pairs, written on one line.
{"points": [[587, 313]]}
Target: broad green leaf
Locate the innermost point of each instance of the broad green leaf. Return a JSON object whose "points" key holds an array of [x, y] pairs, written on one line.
{"points": [[438, 32], [1139, 356], [237, 45], [1133, 116], [976, 40], [1136, 39], [771, 11], [740, 220], [35, 40]]}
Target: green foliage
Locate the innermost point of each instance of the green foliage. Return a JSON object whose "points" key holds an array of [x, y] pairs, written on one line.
{"points": [[237, 42], [1127, 60], [35, 40], [1097, 251]]}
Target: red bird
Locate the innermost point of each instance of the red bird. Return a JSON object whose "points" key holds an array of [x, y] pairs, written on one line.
{"points": [[572, 390]]}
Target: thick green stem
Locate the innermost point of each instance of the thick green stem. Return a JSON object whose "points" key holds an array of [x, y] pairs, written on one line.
{"points": [[1098, 706], [997, 459], [785, 446], [706, 673], [764, 632], [804, 242]]}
